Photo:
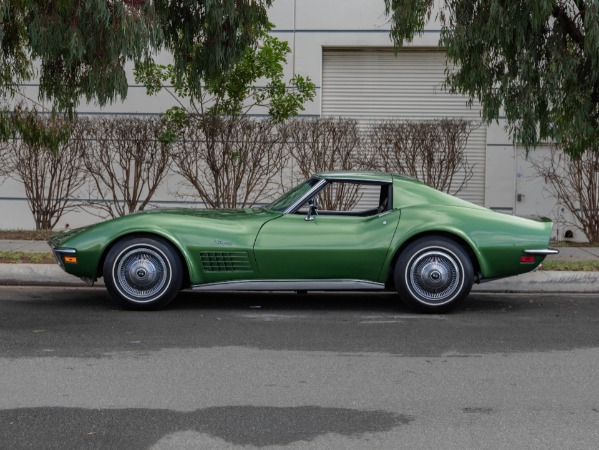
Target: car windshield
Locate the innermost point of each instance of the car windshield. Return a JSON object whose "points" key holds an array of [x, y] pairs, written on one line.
{"points": [[288, 199]]}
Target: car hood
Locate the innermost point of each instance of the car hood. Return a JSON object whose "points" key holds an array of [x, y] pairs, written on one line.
{"points": [[239, 220], [218, 214]]}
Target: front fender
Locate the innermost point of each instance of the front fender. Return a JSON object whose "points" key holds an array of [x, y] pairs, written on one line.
{"points": [[189, 234]]}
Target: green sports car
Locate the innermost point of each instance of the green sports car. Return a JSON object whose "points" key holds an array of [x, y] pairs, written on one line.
{"points": [[335, 231]]}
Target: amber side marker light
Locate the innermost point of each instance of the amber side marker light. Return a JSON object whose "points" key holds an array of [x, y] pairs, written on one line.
{"points": [[527, 259], [70, 259]]}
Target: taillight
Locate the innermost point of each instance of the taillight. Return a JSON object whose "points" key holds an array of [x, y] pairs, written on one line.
{"points": [[527, 259]]}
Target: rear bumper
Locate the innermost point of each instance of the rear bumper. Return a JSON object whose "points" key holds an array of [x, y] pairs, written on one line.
{"points": [[542, 252]]}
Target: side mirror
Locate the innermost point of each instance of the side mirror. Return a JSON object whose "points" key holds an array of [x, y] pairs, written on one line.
{"points": [[312, 209]]}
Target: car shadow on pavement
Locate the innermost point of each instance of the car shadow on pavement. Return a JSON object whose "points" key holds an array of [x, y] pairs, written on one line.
{"points": [[231, 425], [96, 298], [287, 301]]}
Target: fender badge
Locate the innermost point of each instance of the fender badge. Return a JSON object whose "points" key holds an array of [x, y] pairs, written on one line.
{"points": [[221, 242]]}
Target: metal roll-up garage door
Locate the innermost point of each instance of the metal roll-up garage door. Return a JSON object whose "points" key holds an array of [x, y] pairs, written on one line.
{"points": [[376, 84]]}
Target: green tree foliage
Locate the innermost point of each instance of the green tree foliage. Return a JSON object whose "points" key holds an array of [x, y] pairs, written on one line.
{"points": [[15, 65], [83, 45], [261, 64], [256, 79], [206, 36], [536, 62]]}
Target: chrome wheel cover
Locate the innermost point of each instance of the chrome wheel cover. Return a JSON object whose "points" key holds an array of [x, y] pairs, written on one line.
{"points": [[435, 276], [142, 273]]}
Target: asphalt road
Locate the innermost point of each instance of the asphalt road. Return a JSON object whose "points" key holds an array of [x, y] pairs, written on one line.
{"points": [[297, 371]]}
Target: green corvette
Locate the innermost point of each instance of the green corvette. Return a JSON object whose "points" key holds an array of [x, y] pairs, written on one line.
{"points": [[335, 231]]}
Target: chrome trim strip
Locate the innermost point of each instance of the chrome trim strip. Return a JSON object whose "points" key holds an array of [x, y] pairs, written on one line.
{"points": [[306, 196], [545, 251], [290, 285], [66, 251]]}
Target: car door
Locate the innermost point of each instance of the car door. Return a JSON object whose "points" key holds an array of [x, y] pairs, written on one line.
{"points": [[337, 243]]}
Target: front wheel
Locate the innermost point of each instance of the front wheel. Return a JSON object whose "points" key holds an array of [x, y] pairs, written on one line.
{"points": [[433, 275], [143, 273]]}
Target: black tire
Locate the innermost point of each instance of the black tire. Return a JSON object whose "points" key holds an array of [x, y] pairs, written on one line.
{"points": [[143, 273], [433, 275]]}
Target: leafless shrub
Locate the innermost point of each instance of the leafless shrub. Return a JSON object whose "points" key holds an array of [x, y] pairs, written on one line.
{"points": [[322, 145], [343, 197], [50, 176], [433, 152], [231, 162], [575, 184], [124, 159]]}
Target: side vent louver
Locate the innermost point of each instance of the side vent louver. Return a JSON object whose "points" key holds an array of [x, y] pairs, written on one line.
{"points": [[225, 262]]}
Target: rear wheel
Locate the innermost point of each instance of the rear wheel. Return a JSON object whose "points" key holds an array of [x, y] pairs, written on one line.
{"points": [[143, 273], [433, 275]]}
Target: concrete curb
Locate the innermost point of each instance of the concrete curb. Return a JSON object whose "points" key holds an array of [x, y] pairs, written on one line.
{"points": [[544, 281], [540, 281], [37, 275]]}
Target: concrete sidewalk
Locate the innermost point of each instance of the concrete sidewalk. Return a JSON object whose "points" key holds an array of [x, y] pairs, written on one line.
{"points": [[539, 281], [24, 246]]}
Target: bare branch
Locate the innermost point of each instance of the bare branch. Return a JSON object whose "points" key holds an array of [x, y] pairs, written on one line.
{"points": [[125, 160], [50, 178], [574, 183], [561, 15], [433, 152], [322, 145], [231, 162]]}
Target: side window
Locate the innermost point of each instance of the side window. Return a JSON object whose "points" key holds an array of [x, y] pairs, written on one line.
{"points": [[353, 199]]}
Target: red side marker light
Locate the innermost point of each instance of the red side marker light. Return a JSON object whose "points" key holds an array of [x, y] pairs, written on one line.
{"points": [[527, 259]]}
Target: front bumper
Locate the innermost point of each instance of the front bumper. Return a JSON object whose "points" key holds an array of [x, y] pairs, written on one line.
{"points": [[60, 253]]}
